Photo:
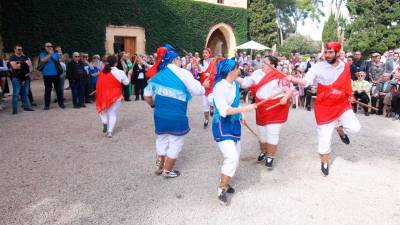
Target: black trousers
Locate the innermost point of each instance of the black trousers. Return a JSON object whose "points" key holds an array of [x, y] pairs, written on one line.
{"points": [[125, 92], [379, 100], [49, 81], [140, 84], [396, 103], [363, 97], [308, 97]]}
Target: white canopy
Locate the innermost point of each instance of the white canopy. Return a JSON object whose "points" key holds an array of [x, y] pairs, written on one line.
{"points": [[253, 46]]}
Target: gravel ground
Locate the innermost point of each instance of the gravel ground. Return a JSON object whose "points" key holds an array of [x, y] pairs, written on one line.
{"points": [[56, 167]]}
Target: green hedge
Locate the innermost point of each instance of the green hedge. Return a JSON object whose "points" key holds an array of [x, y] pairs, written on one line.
{"points": [[80, 25]]}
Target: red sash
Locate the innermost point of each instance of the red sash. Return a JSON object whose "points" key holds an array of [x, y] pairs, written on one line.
{"points": [[276, 115], [108, 91], [212, 70], [333, 100]]}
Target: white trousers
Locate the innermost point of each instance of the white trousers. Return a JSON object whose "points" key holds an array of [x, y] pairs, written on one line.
{"points": [[207, 102], [169, 145], [109, 116], [231, 153], [270, 133], [350, 125]]}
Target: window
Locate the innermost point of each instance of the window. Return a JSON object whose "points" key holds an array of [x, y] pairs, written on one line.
{"points": [[220, 1]]}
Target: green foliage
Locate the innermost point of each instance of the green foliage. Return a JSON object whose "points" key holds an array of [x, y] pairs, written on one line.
{"points": [[330, 31], [262, 22], [375, 25], [301, 44], [80, 25], [291, 12]]}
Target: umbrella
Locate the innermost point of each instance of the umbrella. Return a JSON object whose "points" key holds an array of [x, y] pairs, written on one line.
{"points": [[252, 45]]}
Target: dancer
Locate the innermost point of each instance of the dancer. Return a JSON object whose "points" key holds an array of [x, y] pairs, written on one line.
{"points": [[226, 122], [109, 93], [168, 92], [268, 83], [208, 68], [333, 103]]}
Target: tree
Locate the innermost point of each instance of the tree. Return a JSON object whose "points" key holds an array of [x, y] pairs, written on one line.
{"points": [[291, 12], [329, 33], [375, 25], [299, 43], [262, 24]]}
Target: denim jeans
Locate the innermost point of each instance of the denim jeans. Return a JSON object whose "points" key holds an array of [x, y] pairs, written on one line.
{"points": [[17, 86], [78, 92]]}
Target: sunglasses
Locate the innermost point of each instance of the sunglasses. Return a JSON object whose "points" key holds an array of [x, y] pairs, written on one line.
{"points": [[49, 46], [76, 56], [19, 49]]}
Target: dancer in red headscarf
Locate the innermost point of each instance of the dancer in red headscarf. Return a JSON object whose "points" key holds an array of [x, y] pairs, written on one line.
{"points": [[333, 104], [154, 69], [109, 93], [268, 83], [208, 68]]}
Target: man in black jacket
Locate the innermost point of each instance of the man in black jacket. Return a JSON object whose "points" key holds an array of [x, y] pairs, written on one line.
{"points": [[358, 65], [76, 74]]}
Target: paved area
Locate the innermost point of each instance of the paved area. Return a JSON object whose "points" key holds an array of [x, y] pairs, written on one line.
{"points": [[56, 167]]}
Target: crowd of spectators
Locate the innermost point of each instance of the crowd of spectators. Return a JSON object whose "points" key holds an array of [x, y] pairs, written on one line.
{"points": [[375, 77]]}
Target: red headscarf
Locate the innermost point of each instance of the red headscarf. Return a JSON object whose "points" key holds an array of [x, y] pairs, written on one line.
{"points": [[336, 46], [154, 69]]}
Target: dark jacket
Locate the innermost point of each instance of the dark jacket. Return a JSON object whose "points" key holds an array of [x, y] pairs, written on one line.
{"points": [[136, 71], [76, 71], [357, 66]]}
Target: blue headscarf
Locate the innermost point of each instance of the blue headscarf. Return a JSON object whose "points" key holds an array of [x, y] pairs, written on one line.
{"points": [[168, 57], [223, 68]]}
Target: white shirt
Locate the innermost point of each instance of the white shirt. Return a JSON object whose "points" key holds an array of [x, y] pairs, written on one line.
{"points": [[267, 89], [141, 75], [205, 66], [193, 85], [224, 95], [324, 73], [119, 75]]}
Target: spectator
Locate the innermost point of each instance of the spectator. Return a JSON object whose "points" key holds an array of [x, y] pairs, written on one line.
{"points": [[387, 101], [94, 70], [77, 74], [378, 95], [389, 66], [58, 50], [342, 56], [358, 65], [257, 63], [51, 71], [396, 62], [4, 73], [310, 63], [139, 69], [124, 67], [63, 63], [376, 69], [244, 70], [21, 66], [395, 104], [86, 82], [194, 67], [361, 89], [350, 60]]}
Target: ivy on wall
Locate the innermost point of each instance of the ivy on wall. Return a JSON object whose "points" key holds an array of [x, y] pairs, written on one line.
{"points": [[80, 25]]}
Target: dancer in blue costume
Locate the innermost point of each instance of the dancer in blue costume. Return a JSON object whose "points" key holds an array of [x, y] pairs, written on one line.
{"points": [[226, 122], [169, 92]]}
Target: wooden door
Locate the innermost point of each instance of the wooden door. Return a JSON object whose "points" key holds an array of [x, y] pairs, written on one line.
{"points": [[130, 45]]}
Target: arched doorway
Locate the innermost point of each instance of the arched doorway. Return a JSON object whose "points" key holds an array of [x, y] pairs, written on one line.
{"points": [[221, 39]]}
